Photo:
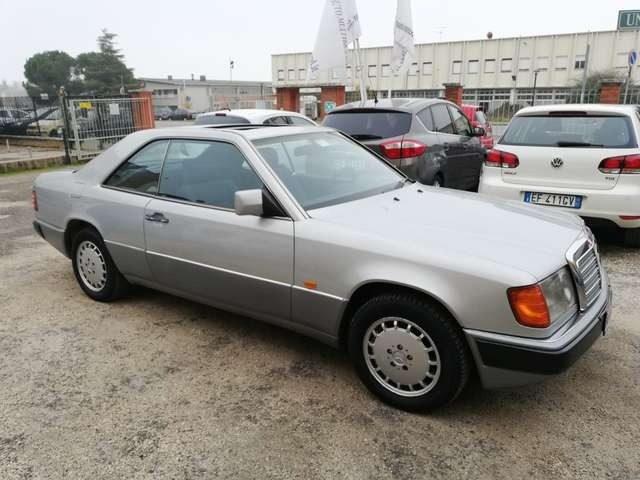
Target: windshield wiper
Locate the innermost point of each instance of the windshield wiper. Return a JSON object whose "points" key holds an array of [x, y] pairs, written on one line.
{"points": [[578, 144], [365, 136]]}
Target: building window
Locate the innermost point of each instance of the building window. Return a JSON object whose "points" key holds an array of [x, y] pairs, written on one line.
{"points": [[335, 74], [427, 68], [622, 60], [280, 74], [373, 71], [580, 62], [413, 69], [561, 62], [524, 64], [456, 67], [302, 74], [490, 65], [292, 74], [473, 66], [506, 64], [542, 63], [386, 70], [349, 72]]}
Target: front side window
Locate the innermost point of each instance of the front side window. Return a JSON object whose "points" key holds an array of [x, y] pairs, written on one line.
{"points": [[587, 131], [206, 172], [441, 118], [460, 122], [323, 169], [142, 171]]}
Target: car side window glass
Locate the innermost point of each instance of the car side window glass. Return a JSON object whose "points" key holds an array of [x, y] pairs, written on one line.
{"points": [[276, 121], [441, 118], [460, 122], [427, 119], [300, 121], [142, 171], [206, 172]]}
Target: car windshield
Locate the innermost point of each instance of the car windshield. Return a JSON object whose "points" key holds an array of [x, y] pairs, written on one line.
{"points": [[220, 119], [324, 168], [370, 124], [570, 130]]}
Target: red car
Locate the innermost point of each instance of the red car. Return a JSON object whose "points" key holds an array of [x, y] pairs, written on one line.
{"points": [[478, 119]]}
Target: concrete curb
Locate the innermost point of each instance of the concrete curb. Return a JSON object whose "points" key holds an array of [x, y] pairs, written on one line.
{"points": [[34, 163]]}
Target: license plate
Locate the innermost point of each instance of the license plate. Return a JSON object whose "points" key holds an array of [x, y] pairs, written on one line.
{"points": [[553, 199]]}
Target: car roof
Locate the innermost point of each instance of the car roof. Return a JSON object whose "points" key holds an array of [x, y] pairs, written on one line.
{"points": [[254, 115], [411, 105], [579, 107]]}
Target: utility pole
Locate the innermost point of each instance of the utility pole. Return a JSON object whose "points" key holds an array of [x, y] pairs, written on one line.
{"points": [[231, 65], [535, 82], [585, 72], [633, 57]]}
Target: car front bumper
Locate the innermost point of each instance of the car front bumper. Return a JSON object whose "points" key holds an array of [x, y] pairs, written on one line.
{"points": [[508, 361]]}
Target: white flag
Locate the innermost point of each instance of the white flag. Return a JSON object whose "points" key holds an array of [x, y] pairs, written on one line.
{"points": [[331, 44], [404, 51], [352, 19]]}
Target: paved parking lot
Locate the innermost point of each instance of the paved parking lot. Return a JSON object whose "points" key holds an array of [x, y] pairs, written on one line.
{"points": [[159, 387]]}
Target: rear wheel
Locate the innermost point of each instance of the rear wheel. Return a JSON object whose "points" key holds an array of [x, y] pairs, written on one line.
{"points": [[409, 352], [94, 269], [632, 237]]}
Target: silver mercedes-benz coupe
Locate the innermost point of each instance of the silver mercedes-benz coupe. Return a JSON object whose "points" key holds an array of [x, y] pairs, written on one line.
{"points": [[307, 229]]}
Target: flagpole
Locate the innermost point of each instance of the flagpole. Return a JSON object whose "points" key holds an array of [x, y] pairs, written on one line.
{"points": [[363, 89]]}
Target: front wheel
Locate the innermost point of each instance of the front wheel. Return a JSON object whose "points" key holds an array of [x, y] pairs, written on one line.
{"points": [[94, 269], [409, 352]]}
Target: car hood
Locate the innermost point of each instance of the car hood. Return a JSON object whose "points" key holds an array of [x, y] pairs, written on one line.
{"points": [[419, 219]]}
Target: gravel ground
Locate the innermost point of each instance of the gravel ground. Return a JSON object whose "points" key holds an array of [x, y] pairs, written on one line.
{"points": [[159, 387]]}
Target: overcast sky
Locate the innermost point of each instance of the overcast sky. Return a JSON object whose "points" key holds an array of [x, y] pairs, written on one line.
{"points": [[199, 37]]}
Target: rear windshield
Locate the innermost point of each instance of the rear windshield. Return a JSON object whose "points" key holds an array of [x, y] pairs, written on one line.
{"points": [[219, 120], [570, 131], [370, 125]]}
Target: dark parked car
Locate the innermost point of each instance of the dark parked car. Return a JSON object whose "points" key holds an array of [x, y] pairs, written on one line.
{"points": [[180, 114], [431, 140]]}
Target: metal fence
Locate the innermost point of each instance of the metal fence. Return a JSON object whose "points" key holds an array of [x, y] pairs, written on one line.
{"points": [[97, 123], [30, 116]]}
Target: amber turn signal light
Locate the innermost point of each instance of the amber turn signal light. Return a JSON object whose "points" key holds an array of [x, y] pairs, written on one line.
{"points": [[529, 306]]}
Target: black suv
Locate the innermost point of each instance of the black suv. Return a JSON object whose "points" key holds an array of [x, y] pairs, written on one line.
{"points": [[430, 140]]}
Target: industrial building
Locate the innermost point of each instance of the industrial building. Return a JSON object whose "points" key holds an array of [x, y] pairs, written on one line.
{"points": [[489, 69]]}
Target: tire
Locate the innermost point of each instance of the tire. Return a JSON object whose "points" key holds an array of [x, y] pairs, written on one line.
{"points": [[373, 330], [438, 181], [632, 237], [90, 258]]}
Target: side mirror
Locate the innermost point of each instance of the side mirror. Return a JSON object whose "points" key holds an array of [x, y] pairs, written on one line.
{"points": [[479, 132], [248, 202]]}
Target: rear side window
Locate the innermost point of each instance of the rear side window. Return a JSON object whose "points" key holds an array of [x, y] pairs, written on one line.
{"points": [[220, 120], [370, 125], [441, 118], [300, 121], [571, 131], [142, 171], [427, 119], [280, 120]]}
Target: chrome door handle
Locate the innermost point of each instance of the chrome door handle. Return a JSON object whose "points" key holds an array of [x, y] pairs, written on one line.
{"points": [[156, 217]]}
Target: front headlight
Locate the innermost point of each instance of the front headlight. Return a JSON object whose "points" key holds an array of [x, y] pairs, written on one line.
{"points": [[539, 305], [560, 295]]}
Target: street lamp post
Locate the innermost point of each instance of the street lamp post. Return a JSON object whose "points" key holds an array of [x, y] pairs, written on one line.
{"points": [[535, 83]]}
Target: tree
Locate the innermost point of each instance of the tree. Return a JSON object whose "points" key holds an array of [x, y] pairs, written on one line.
{"points": [[595, 79], [46, 72], [104, 72]]}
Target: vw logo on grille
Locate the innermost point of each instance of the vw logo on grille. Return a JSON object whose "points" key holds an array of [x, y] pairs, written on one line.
{"points": [[557, 162]]}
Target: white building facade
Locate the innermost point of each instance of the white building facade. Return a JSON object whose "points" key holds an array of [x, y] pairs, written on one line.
{"points": [[496, 68]]}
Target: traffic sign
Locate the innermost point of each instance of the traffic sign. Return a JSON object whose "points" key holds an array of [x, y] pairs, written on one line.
{"points": [[633, 58]]}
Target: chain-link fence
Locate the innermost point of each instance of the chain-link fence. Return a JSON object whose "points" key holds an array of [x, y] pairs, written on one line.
{"points": [[30, 116]]}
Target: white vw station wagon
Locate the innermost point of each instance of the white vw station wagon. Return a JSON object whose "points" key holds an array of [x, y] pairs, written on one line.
{"points": [[580, 158]]}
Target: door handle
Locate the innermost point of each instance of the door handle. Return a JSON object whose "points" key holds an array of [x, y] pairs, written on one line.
{"points": [[156, 217]]}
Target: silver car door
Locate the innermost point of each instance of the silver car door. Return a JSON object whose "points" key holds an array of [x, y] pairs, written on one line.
{"points": [[196, 244], [120, 204]]}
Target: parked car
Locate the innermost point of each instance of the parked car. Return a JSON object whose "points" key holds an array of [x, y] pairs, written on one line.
{"points": [[306, 228], [162, 113], [579, 158], [179, 114], [253, 116], [428, 139], [49, 125], [13, 116], [478, 118]]}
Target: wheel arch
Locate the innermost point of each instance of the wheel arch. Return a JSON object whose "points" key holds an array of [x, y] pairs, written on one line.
{"points": [[369, 290], [74, 225]]}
